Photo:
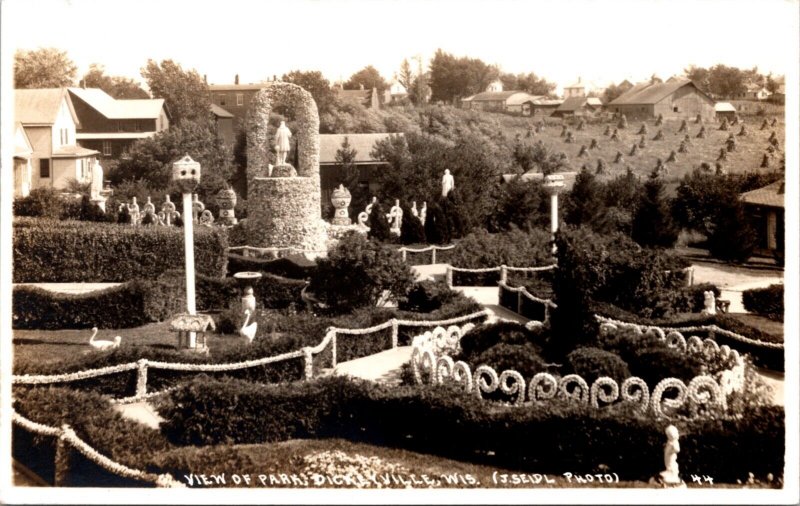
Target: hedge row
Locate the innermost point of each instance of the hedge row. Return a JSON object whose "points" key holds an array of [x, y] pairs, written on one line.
{"points": [[49, 251], [765, 301], [455, 425], [129, 305], [770, 358]]}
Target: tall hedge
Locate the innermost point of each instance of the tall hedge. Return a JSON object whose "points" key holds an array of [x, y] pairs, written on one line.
{"points": [[765, 301], [48, 251]]}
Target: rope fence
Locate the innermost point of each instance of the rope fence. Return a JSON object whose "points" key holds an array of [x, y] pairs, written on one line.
{"points": [[502, 269]]}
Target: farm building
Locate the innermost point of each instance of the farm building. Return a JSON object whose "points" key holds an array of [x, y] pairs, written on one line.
{"points": [[368, 167], [766, 207], [545, 106], [674, 99], [499, 101], [724, 110], [578, 106]]}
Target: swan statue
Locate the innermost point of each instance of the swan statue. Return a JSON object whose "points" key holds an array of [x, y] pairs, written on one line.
{"points": [[248, 330], [102, 345]]}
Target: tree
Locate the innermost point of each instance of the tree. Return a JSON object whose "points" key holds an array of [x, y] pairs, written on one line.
{"points": [[520, 203], [150, 160], [43, 68], [509, 81], [583, 203], [531, 156], [612, 92], [412, 231], [415, 83], [348, 174], [535, 85], [406, 75], [699, 76], [117, 86], [652, 221], [732, 236], [316, 84], [378, 224], [369, 78], [725, 81], [184, 92], [453, 78]]}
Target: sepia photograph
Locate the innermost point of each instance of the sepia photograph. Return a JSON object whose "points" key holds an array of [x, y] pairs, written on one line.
{"points": [[399, 252]]}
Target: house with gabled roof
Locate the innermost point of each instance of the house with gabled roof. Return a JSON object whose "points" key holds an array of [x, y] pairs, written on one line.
{"points": [[111, 125], [677, 98], [500, 101], [368, 166], [23, 151], [578, 106], [766, 208], [367, 98], [50, 124], [223, 125]]}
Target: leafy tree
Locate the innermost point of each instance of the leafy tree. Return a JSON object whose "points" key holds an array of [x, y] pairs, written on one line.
{"points": [[367, 265], [509, 81], [151, 159], [348, 174], [117, 86], [369, 78], [453, 78], [436, 230], [184, 92], [412, 231], [316, 84], [725, 81], [612, 92], [43, 68], [583, 204], [652, 222], [699, 77], [535, 85]]}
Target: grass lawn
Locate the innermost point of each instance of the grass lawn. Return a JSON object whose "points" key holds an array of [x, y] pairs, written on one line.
{"points": [[393, 468], [771, 327], [51, 346]]}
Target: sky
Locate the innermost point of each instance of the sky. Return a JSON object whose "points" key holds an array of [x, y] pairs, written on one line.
{"points": [[600, 41]]}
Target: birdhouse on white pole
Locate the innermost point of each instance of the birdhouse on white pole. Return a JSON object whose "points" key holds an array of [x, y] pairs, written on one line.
{"points": [[554, 184]]}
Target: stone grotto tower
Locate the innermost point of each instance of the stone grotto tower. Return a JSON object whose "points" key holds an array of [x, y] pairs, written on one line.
{"points": [[283, 208]]}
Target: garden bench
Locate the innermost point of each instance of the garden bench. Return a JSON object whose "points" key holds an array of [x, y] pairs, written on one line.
{"points": [[723, 305]]}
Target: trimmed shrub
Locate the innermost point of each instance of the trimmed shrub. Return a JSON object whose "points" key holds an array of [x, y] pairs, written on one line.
{"points": [[436, 229], [427, 296], [654, 364], [592, 363], [358, 271], [765, 301], [412, 231], [523, 358], [377, 223], [488, 335], [129, 305], [47, 251]]}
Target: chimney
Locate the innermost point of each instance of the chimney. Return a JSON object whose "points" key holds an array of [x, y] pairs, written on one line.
{"points": [[205, 78], [236, 79]]}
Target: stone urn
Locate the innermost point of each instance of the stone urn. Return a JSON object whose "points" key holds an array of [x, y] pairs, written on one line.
{"points": [[226, 200], [340, 198]]}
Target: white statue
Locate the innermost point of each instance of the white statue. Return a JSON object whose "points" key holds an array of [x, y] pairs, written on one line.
{"points": [[396, 216], [369, 206], [448, 183], [423, 212], [414, 209], [709, 303], [282, 144], [670, 474], [133, 210], [97, 180]]}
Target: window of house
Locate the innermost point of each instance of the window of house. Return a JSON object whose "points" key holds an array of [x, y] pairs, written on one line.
{"points": [[239, 99], [44, 168], [119, 126], [675, 109], [221, 99], [137, 127], [106, 148]]}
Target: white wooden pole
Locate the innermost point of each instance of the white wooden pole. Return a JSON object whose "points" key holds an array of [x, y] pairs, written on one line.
{"points": [[188, 242], [554, 217]]}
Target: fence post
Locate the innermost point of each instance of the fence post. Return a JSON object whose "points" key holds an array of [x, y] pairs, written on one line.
{"points": [[403, 252], [394, 332], [433, 254], [309, 363], [141, 377], [449, 276], [61, 464], [333, 350], [519, 302], [503, 273], [246, 252], [691, 276]]}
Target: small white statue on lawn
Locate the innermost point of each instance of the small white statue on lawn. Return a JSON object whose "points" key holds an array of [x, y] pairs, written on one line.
{"points": [[423, 212], [414, 209], [670, 475], [133, 210], [282, 144], [709, 303], [448, 183]]}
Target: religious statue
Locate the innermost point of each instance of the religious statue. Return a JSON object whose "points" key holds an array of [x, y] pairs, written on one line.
{"points": [[168, 213], [133, 210], [414, 209], [423, 212], [97, 180], [282, 144], [670, 474], [448, 183]]}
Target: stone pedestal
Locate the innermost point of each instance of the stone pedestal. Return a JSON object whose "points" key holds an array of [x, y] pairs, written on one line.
{"points": [[340, 198], [283, 170], [284, 212]]}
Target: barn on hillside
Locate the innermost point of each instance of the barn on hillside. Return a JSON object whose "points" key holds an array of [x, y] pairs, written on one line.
{"points": [[674, 99]]}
